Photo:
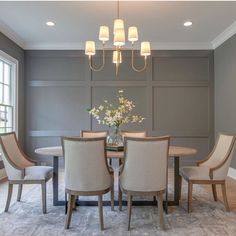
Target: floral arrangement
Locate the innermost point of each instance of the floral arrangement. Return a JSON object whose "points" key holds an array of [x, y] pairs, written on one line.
{"points": [[115, 116]]}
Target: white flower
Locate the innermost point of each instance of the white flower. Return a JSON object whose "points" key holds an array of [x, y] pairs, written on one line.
{"points": [[111, 115]]}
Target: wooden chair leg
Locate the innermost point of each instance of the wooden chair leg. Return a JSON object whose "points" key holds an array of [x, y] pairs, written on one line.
{"points": [[180, 186], [20, 186], [66, 205], [166, 205], [10, 188], [112, 196], [44, 197], [74, 203], [223, 187], [129, 210], [69, 211], [100, 206], [214, 191], [120, 199], [160, 211], [190, 193]]}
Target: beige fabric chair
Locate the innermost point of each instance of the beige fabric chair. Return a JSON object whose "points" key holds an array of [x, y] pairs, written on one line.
{"points": [[134, 134], [130, 134], [213, 170], [86, 171], [93, 134], [145, 170], [20, 169]]}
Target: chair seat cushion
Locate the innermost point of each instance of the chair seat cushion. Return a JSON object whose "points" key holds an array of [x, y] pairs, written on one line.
{"points": [[195, 172], [38, 173]]}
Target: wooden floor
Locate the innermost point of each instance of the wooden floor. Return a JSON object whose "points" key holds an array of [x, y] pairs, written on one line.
{"points": [[231, 192]]}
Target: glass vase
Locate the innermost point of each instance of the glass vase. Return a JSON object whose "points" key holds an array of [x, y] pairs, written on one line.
{"points": [[115, 137]]}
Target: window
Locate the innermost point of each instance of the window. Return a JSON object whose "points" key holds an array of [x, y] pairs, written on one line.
{"points": [[8, 93]]}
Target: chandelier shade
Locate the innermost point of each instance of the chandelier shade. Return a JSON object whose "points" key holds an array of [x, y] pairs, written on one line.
{"points": [[90, 48], [104, 33], [119, 37], [145, 49], [133, 34], [118, 24], [117, 57]]}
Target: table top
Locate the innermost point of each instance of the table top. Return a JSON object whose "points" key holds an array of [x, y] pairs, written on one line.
{"points": [[173, 152]]}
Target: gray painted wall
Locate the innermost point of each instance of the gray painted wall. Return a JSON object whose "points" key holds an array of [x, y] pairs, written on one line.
{"points": [[175, 94], [225, 88], [17, 52]]}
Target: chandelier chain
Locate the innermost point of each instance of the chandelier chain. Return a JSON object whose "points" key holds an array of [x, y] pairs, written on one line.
{"points": [[118, 9]]}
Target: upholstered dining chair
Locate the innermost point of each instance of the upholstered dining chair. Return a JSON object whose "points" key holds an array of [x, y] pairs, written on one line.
{"points": [[145, 170], [100, 134], [212, 170], [86, 171], [133, 134], [20, 169], [93, 134], [130, 134]]}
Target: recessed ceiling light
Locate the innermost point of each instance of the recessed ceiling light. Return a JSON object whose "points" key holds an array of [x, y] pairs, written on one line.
{"points": [[50, 23], [188, 23]]}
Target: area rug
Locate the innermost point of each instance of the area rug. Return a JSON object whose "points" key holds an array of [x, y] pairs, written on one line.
{"points": [[25, 218]]}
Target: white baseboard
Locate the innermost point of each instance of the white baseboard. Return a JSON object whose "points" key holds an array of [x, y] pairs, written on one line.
{"points": [[232, 173]]}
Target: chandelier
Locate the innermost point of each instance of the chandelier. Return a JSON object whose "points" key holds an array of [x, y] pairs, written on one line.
{"points": [[119, 43]]}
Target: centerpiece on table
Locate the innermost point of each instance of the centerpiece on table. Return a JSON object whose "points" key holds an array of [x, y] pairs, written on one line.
{"points": [[115, 116]]}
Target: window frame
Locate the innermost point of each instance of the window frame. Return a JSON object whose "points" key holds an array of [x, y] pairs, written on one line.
{"points": [[14, 77]]}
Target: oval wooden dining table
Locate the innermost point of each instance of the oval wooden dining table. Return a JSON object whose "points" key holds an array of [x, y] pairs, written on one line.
{"points": [[175, 152]]}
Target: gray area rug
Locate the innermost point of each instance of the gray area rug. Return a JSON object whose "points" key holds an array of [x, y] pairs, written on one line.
{"points": [[25, 218]]}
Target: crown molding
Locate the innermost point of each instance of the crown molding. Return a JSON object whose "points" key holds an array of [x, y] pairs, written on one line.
{"points": [[54, 46], [154, 46], [11, 35], [181, 45], [222, 37]]}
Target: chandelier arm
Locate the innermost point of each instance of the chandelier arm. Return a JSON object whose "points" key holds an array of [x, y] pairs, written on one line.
{"points": [[133, 66], [103, 62]]}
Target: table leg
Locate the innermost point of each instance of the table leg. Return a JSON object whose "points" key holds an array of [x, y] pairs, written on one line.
{"points": [[55, 180], [176, 181]]}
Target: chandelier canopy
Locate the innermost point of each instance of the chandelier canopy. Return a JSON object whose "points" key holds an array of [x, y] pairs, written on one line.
{"points": [[118, 42]]}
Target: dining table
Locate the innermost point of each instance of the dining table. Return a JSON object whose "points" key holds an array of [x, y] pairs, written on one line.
{"points": [[175, 152]]}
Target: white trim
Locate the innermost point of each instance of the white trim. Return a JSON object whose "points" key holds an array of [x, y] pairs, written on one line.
{"points": [[154, 45], [232, 173], [15, 74], [222, 37]]}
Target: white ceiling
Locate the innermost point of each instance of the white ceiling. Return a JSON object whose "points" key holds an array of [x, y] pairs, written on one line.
{"points": [[78, 21]]}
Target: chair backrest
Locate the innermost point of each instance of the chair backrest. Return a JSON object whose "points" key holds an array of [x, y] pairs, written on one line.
{"points": [[13, 157], [12, 148], [221, 156], [93, 134], [85, 164], [145, 167], [134, 134]]}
